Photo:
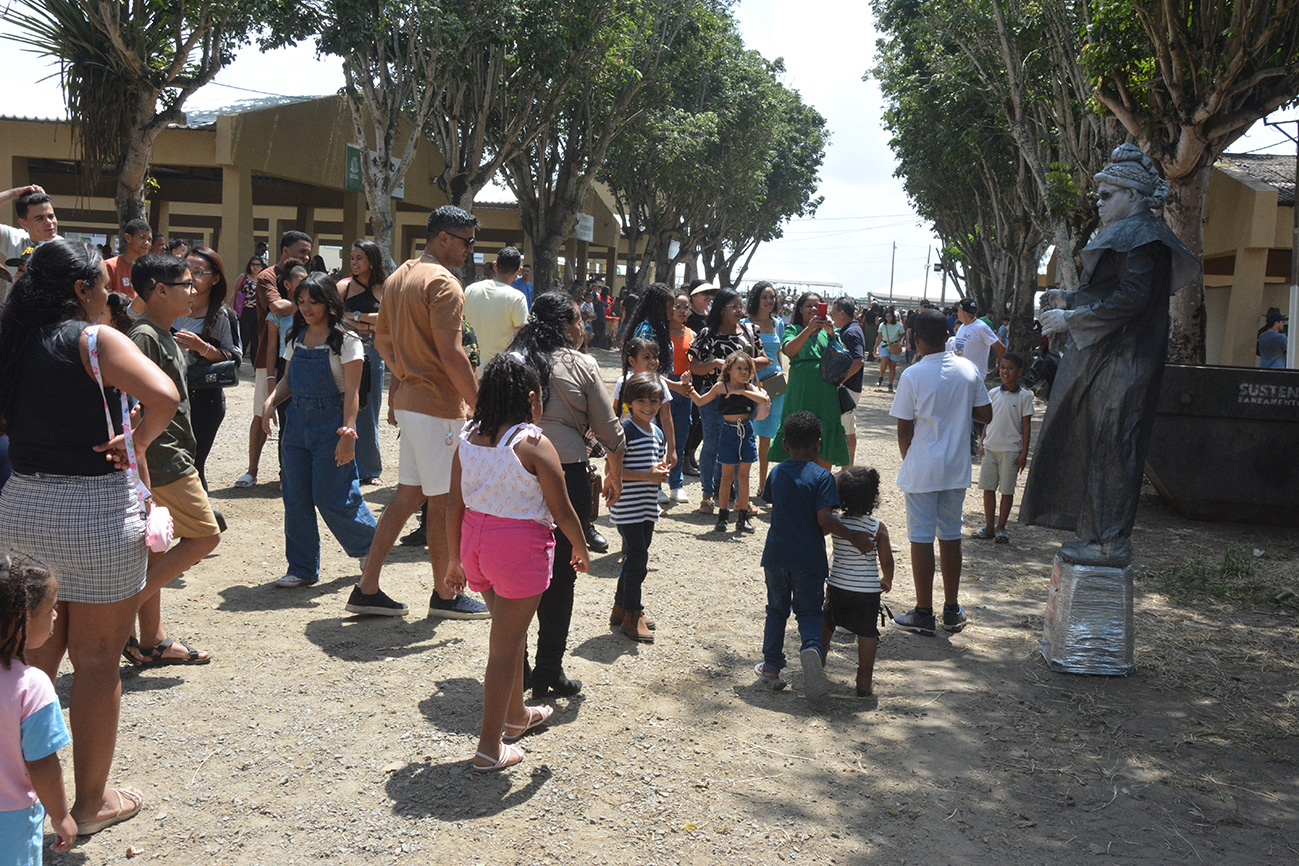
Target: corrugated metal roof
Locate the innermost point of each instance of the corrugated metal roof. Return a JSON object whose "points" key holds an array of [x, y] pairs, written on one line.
{"points": [[1275, 170]]}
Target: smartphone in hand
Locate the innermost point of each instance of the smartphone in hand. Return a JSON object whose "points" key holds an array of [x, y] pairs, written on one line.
{"points": [[822, 310]]}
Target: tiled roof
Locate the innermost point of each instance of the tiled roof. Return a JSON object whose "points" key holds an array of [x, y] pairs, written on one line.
{"points": [[1275, 170]]}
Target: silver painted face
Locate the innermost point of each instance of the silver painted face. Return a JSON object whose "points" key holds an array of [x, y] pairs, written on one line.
{"points": [[1114, 202]]}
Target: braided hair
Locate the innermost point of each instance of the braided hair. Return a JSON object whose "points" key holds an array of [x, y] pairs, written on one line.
{"points": [[545, 333], [503, 394], [24, 585]]}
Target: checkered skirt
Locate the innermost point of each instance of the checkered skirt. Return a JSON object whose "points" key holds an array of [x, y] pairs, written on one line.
{"points": [[86, 528]]}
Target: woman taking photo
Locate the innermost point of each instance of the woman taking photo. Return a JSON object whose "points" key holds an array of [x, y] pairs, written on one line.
{"points": [[888, 345], [68, 504], [210, 335], [573, 398], [762, 315], [361, 297], [723, 335], [806, 338]]}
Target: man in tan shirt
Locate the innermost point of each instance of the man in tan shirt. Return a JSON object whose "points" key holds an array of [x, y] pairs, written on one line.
{"points": [[434, 390]]}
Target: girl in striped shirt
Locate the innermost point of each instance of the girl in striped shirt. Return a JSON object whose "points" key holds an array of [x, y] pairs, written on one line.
{"points": [[636, 510], [852, 594]]}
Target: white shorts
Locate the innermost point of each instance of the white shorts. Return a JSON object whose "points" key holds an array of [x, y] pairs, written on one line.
{"points": [[937, 513], [849, 428], [260, 392], [428, 445], [997, 471]]}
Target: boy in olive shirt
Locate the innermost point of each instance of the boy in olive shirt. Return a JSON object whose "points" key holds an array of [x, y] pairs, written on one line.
{"points": [[163, 282]]}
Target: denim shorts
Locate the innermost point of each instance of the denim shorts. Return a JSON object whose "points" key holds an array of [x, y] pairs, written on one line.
{"points": [[934, 514], [736, 443]]}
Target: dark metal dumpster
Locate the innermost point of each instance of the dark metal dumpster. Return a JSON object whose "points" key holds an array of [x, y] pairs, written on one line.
{"points": [[1225, 444]]}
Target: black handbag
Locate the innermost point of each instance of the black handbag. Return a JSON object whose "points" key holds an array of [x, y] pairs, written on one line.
{"points": [[835, 362], [211, 377]]}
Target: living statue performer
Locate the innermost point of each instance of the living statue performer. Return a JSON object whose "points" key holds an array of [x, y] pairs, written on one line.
{"points": [[1086, 473]]}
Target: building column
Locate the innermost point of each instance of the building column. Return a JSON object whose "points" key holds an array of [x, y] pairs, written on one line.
{"points": [[611, 266], [306, 222], [581, 273], [1245, 308], [354, 218], [236, 217]]}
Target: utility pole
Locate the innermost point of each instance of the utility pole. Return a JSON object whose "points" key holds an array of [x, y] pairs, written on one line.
{"points": [[892, 263], [928, 252], [1291, 350]]}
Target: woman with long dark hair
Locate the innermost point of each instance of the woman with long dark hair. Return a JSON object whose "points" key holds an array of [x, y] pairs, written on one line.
{"points": [[246, 303], [806, 338], [68, 504], [362, 294], [761, 309], [210, 335], [651, 320], [721, 337], [317, 447], [573, 398]]}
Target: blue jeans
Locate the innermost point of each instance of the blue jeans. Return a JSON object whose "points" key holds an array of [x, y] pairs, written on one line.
{"points": [[710, 471], [368, 462], [804, 593], [310, 479], [636, 539], [681, 429]]}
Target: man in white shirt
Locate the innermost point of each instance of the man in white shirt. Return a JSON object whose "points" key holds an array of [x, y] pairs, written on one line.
{"points": [[495, 309], [974, 338], [937, 397]]}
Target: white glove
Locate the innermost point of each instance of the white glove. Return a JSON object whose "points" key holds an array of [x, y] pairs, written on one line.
{"points": [[1055, 321]]}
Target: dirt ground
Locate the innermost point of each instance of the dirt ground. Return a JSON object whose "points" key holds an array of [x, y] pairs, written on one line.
{"points": [[320, 737]]}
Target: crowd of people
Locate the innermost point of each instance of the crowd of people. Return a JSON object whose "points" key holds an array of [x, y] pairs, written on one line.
{"points": [[510, 441]]}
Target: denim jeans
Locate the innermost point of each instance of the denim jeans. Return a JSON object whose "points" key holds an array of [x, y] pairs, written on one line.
{"points": [[804, 593], [636, 539], [710, 471], [310, 479], [368, 462], [681, 406]]}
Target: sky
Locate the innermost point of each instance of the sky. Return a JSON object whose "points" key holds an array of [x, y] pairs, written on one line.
{"points": [[851, 239]]}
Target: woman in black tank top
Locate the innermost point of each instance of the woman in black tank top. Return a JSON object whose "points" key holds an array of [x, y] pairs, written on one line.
{"points": [[362, 295]]}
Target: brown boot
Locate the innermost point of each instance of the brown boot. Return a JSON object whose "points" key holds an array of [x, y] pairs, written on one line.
{"points": [[633, 625], [616, 617]]}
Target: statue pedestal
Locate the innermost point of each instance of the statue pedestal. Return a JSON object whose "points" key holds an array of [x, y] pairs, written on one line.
{"points": [[1088, 625]]}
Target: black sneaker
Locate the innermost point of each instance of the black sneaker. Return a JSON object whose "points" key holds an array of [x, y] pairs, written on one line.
{"points": [[459, 607], [916, 622], [954, 620], [376, 603], [417, 537]]}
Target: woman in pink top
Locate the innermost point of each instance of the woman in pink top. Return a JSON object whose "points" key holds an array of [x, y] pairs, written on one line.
{"points": [[507, 494]]}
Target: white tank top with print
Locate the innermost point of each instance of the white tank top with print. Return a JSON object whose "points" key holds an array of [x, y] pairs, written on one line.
{"points": [[493, 481]]}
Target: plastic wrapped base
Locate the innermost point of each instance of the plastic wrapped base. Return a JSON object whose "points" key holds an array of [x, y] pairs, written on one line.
{"points": [[1088, 627]]}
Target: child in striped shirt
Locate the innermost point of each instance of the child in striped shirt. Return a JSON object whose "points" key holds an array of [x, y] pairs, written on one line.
{"points": [[637, 509], [852, 594]]}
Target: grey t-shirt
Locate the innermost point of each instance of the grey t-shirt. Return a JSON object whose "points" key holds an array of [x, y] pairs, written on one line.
{"points": [[1271, 350]]}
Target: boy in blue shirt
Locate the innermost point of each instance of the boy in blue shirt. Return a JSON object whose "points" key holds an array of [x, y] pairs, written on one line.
{"points": [[803, 498]]}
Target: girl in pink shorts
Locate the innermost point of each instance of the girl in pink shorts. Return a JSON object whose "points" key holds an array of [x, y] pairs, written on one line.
{"points": [[507, 495]]}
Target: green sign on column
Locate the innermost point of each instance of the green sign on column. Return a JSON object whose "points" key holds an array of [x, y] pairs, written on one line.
{"points": [[352, 169]]}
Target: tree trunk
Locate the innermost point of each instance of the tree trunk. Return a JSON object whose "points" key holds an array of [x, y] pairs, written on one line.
{"points": [[133, 164], [1022, 337], [1184, 213], [545, 261], [382, 224]]}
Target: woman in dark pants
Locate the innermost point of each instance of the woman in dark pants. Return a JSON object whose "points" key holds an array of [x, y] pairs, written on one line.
{"points": [[210, 334], [574, 397]]}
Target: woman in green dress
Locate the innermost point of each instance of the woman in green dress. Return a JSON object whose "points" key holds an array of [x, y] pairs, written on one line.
{"points": [[806, 337]]}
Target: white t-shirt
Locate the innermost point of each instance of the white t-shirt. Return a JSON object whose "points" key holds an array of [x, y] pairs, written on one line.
{"points": [[974, 342], [938, 393], [14, 241], [1005, 432], [353, 350], [495, 311]]}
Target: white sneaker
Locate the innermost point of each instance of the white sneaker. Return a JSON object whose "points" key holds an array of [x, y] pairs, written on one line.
{"points": [[292, 580], [679, 495], [664, 499]]}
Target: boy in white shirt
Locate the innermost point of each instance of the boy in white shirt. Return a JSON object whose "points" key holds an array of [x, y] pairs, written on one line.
{"points": [[937, 398], [1004, 445]]}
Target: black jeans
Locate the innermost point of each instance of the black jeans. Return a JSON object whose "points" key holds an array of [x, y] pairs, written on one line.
{"points": [[207, 409], [636, 539], [555, 611]]}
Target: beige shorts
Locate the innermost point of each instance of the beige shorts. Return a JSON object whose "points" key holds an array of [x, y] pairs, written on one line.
{"points": [[849, 427], [191, 513], [997, 471], [260, 392], [428, 445]]}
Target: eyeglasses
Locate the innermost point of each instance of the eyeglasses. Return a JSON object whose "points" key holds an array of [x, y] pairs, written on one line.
{"points": [[194, 273], [468, 242], [1107, 194], [189, 284]]}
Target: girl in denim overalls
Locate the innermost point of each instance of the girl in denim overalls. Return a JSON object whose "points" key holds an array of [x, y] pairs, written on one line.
{"points": [[317, 460]]}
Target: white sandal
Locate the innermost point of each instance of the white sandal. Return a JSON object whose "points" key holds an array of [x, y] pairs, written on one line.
{"points": [[508, 752], [245, 480], [537, 716]]}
